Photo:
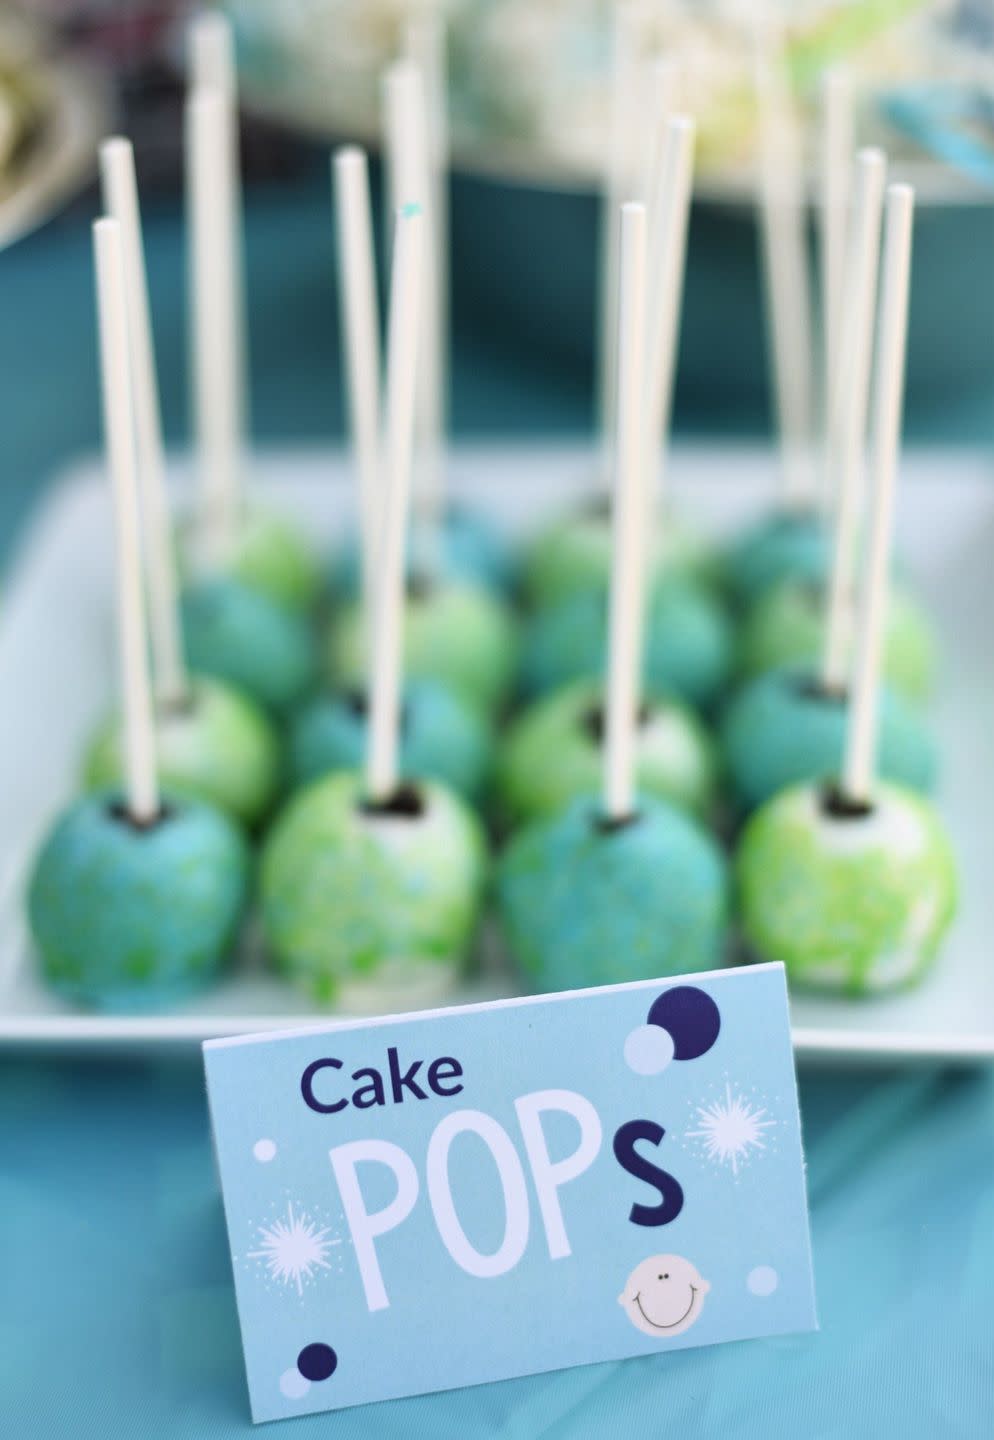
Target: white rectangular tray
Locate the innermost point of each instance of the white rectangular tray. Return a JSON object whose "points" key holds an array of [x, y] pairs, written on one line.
{"points": [[57, 674]]}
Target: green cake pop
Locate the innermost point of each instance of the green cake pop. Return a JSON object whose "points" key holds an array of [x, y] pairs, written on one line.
{"points": [[624, 887], [553, 752], [787, 626], [133, 900], [853, 887], [371, 888], [212, 743], [455, 633]]}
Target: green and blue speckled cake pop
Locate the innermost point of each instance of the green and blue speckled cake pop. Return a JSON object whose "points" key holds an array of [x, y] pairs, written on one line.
{"points": [[367, 902], [135, 915], [853, 898], [371, 888], [441, 738], [456, 634], [133, 901], [853, 887], [553, 753], [688, 650], [786, 726], [619, 887], [242, 637], [212, 743]]}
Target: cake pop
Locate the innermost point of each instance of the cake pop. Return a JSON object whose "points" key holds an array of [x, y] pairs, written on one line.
{"points": [[370, 888], [619, 888], [260, 550], [853, 886], [210, 741], [787, 626], [552, 753], [791, 542], [237, 635], [134, 898], [441, 738], [688, 651], [789, 725]]}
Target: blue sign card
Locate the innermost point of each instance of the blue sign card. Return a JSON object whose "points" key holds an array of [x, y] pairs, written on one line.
{"points": [[440, 1199]]}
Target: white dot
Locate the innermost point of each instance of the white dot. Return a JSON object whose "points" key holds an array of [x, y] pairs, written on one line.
{"points": [[294, 1385], [763, 1280], [264, 1150], [648, 1049]]}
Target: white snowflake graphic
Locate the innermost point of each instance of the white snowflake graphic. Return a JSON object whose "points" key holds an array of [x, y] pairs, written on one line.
{"points": [[730, 1130], [293, 1249]]}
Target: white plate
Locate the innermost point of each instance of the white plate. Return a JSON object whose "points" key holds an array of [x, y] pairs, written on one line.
{"points": [[57, 672]]}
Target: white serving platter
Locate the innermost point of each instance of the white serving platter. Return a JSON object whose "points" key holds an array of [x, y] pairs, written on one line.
{"points": [[57, 676]]}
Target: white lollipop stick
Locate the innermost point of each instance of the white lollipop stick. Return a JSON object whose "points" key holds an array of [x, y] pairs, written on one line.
{"points": [[120, 197], [409, 170], [141, 783], [847, 420], [787, 288], [625, 621], [672, 193], [836, 148], [858, 775], [617, 189], [215, 364], [211, 50], [361, 332], [425, 43], [406, 298]]}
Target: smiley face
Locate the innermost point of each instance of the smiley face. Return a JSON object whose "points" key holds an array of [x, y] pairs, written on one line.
{"points": [[663, 1296]]}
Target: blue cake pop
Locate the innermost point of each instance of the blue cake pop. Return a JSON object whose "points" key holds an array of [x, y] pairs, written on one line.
{"points": [[132, 916], [784, 727], [688, 644], [471, 549], [442, 738], [240, 636], [584, 901], [788, 545]]}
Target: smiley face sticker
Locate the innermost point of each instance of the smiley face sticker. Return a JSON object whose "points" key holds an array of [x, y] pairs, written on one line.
{"points": [[664, 1295]]}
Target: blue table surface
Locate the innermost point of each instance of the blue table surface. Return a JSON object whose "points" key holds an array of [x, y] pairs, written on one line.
{"points": [[117, 1315]]}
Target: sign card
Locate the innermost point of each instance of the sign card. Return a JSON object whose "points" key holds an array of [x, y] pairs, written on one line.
{"points": [[440, 1199]]}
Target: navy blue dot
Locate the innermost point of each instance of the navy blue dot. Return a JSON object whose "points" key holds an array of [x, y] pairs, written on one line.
{"points": [[317, 1361], [690, 1016]]}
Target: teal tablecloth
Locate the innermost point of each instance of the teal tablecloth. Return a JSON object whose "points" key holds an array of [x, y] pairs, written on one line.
{"points": [[117, 1318]]}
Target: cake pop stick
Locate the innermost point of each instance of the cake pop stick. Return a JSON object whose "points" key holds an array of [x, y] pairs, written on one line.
{"points": [[406, 298], [617, 189], [141, 784], [214, 319], [120, 196], [121, 203], [425, 43], [848, 419], [625, 633], [788, 301], [212, 67], [409, 169], [859, 768], [361, 329], [668, 242], [836, 148]]}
